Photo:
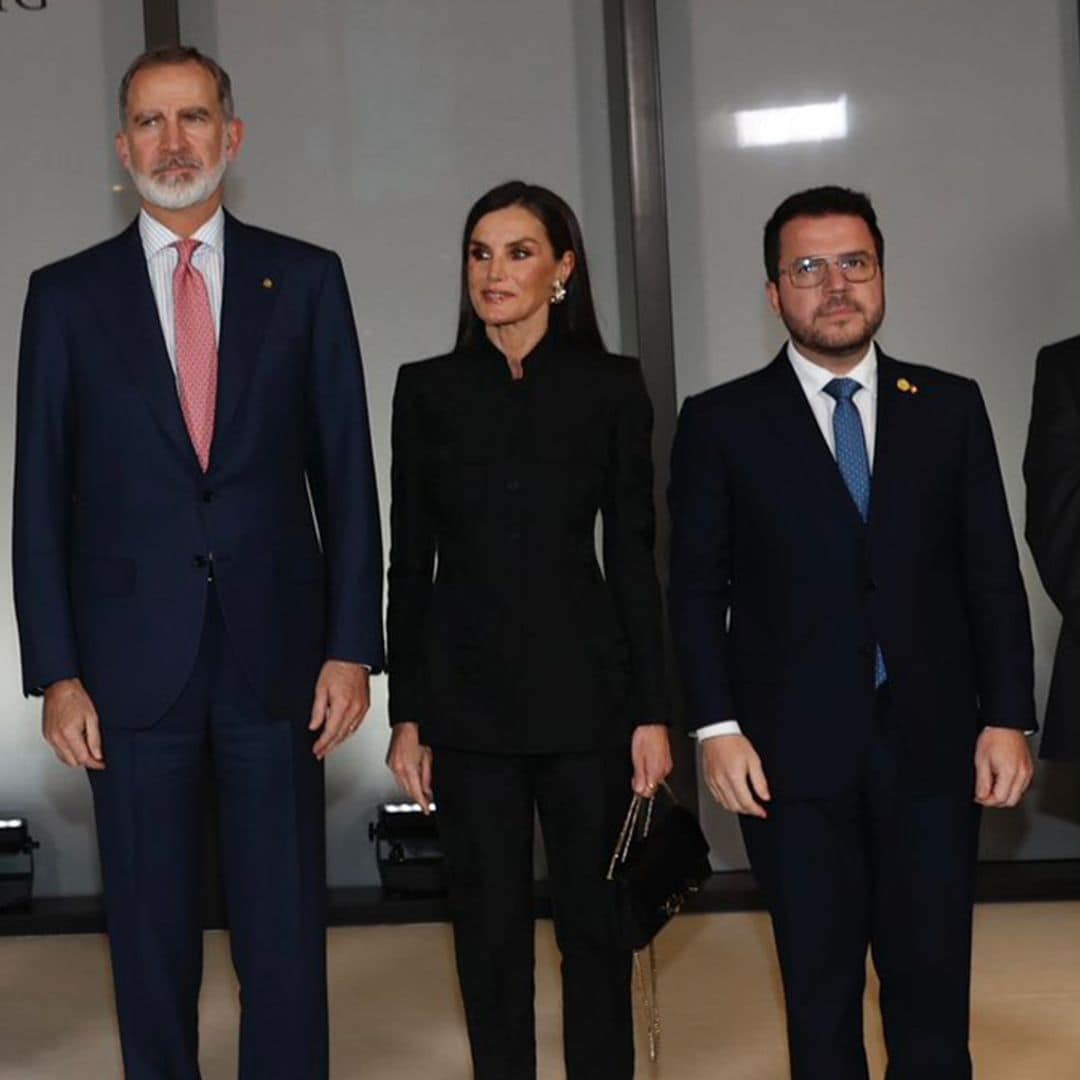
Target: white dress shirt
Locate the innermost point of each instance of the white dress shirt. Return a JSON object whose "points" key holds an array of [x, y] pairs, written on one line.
{"points": [[813, 379], [162, 258]]}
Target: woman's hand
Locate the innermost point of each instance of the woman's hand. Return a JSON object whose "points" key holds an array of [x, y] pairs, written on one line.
{"points": [[650, 752], [411, 764]]}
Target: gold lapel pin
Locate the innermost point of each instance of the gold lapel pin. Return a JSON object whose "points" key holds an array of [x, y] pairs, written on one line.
{"points": [[906, 387], [268, 283]]}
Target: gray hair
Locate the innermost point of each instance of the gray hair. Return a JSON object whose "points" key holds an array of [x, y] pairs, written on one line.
{"points": [[177, 54]]}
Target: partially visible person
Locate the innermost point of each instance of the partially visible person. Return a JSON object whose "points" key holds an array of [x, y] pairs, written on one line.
{"points": [[523, 678], [853, 634], [1052, 474], [182, 386]]}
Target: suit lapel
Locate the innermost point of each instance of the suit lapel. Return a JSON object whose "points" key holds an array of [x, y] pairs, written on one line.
{"points": [[796, 425], [250, 292], [894, 416], [126, 303]]}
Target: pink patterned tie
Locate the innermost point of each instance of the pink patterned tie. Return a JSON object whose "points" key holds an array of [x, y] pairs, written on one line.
{"points": [[196, 351]]}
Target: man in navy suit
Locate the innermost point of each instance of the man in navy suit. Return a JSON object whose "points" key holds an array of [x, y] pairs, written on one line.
{"points": [[854, 641], [188, 392]]}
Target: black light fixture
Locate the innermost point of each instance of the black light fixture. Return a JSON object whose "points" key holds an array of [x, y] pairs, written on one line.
{"points": [[17, 848], [407, 850]]}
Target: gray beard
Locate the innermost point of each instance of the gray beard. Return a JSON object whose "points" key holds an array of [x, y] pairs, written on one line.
{"points": [[180, 196]]}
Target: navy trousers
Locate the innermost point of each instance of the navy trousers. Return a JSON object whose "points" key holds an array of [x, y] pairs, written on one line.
{"points": [[149, 815], [487, 804], [883, 868]]}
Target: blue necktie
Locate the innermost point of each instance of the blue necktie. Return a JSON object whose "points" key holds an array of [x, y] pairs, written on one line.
{"points": [[854, 465]]}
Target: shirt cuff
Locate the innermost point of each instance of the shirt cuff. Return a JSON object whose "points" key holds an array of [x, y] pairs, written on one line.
{"points": [[725, 727]]}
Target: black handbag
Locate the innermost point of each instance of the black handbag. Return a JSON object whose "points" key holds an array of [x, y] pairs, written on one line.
{"points": [[659, 860]]}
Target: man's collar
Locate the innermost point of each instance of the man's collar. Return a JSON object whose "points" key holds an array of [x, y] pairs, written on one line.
{"points": [[156, 237], [814, 377]]}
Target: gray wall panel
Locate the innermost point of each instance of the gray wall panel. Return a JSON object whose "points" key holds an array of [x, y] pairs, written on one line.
{"points": [[57, 117]]}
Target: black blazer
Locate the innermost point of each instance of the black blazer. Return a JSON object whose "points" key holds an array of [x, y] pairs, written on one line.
{"points": [[504, 635], [1052, 472], [766, 534], [114, 519]]}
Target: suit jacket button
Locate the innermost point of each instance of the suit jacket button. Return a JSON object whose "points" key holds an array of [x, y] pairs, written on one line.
{"points": [[199, 562], [513, 485], [871, 585], [207, 496]]}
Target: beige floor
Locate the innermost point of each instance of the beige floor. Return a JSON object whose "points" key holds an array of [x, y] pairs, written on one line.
{"points": [[396, 1016]]}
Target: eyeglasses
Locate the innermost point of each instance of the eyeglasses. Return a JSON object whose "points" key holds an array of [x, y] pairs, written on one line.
{"points": [[813, 270]]}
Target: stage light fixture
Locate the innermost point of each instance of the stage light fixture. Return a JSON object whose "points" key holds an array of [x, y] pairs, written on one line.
{"points": [[17, 849]]}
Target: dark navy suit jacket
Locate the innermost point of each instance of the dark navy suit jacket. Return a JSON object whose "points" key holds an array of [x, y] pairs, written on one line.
{"points": [[779, 591], [1052, 471], [114, 520]]}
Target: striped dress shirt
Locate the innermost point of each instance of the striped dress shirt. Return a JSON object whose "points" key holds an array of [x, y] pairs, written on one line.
{"points": [[161, 260]]}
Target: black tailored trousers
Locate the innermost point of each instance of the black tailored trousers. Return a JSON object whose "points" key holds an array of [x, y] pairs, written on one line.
{"points": [[149, 813], [880, 868], [486, 806]]}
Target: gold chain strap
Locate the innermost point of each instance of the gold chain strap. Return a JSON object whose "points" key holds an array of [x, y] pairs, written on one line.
{"points": [[626, 834], [650, 1004]]}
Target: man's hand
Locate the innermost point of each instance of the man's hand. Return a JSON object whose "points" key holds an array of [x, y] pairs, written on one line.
{"points": [[1003, 767], [650, 752], [734, 774], [342, 698], [411, 763], [70, 725]]}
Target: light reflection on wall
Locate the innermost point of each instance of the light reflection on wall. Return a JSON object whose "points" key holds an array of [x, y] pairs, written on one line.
{"points": [[816, 122]]}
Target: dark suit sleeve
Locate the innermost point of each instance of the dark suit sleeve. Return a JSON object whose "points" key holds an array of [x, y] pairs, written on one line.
{"points": [[342, 477], [44, 489], [699, 588], [629, 517], [412, 553], [1052, 473], [997, 603]]}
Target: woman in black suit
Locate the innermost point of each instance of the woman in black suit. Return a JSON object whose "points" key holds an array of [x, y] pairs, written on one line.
{"points": [[522, 679]]}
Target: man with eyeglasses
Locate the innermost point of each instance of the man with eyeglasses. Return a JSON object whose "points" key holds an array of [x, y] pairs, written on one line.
{"points": [[855, 647]]}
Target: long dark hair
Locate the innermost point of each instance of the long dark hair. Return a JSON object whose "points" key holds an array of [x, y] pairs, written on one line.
{"points": [[574, 320]]}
